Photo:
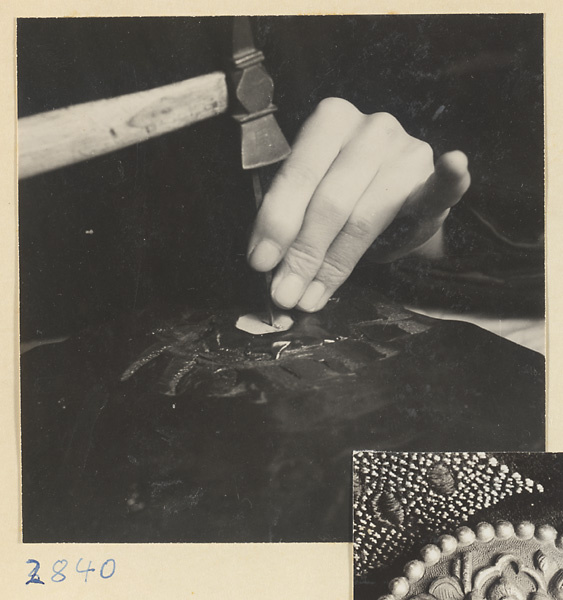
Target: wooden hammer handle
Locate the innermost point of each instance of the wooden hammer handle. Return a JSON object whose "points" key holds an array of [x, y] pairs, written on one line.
{"points": [[54, 139]]}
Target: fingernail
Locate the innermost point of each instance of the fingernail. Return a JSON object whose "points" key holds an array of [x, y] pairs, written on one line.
{"points": [[312, 296], [289, 290], [265, 256]]}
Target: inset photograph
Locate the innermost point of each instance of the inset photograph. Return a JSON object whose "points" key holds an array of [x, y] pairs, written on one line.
{"points": [[446, 525]]}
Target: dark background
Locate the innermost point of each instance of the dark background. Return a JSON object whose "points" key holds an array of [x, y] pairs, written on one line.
{"points": [[171, 216]]}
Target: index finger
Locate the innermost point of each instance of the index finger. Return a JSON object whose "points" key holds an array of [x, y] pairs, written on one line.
{"points": [[281, 215]]}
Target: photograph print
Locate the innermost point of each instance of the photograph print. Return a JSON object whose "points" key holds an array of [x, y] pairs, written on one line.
{"points": [[454, 525], [249, 246]]}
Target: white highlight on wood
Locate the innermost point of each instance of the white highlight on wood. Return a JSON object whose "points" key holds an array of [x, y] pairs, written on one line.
{"points": [[256, 324], [57, 138]]}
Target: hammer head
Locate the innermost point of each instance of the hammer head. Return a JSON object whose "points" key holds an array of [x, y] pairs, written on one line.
{"points": [[252, 90], [262, 142]]}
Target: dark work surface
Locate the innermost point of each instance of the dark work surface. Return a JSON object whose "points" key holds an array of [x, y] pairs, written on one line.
{"points": [[244, 447]]}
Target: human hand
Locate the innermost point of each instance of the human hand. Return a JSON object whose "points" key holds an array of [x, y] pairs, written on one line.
{"points": [[351, 180]]}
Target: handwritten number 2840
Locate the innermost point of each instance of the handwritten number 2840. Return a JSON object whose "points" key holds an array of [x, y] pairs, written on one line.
{"points": [[106, 570]]}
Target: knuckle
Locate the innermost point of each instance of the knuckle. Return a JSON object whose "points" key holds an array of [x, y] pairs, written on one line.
{"points": [[415, 157], [298, 173], [279, 225], [423, 149], [332, 108], [386, 123], [359, 228], [304, 258], [336, 269], [331, 205]]}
